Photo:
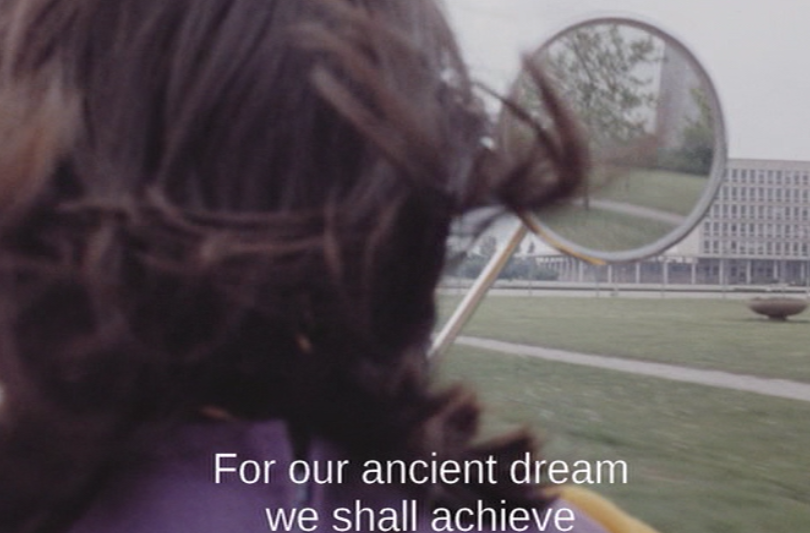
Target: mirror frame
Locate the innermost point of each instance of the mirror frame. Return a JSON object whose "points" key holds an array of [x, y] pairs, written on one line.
{"points": [[714, 178]]}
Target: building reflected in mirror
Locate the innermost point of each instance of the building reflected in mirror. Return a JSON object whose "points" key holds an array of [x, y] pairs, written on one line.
{"points": [[684, 121]]}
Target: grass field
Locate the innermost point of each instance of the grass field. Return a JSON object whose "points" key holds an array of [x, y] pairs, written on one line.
{"points": [[701, 459], [657, 189], [604, 230], [703, 333], [619, 228]]}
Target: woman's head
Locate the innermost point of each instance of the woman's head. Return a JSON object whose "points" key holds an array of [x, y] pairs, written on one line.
{"points": [[301, 156], [232, 203]]}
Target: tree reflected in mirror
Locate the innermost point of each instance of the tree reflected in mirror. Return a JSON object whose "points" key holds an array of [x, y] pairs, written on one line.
{"points": [[650, 117]]}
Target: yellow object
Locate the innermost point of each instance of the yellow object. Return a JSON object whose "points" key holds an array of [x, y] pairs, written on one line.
{"points": [[603, 511]]}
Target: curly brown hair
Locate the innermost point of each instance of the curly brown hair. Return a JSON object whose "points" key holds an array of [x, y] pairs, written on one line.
{"points": [[241, 204]]}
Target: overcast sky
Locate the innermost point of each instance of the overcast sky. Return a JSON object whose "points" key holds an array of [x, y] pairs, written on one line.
{"points": [[756, 51]]}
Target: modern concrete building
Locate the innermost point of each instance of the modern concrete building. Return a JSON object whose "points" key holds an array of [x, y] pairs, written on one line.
{"points": [[758, 229]]}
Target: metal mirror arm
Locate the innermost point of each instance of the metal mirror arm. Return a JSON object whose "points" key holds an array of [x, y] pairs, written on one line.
{"points": [[476, 293]]}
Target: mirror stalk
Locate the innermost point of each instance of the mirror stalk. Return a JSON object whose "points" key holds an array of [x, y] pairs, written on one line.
{"points": [[476, 293]]}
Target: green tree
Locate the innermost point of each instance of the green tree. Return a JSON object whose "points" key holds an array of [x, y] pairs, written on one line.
{"points": [[528, 269], [488, 247], [605, 71], [607, 74], [471, 267]]}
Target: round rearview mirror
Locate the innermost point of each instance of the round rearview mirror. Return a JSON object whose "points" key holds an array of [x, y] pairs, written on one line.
{"points": [[653, 122]]}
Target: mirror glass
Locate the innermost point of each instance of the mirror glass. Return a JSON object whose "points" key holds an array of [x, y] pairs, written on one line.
{"points": [[653, 123]]}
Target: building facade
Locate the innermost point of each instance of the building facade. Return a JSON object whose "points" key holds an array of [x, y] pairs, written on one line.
{"points": [[758, 229], [757, 232]]}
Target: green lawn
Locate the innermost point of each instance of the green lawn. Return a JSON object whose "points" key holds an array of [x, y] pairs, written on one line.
{"points": [[604, 230], [700, 459], [702, 333], [615, 228], [657, 189]]}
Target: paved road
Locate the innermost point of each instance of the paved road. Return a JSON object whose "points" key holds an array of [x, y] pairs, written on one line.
{"points": [[780, 388]]}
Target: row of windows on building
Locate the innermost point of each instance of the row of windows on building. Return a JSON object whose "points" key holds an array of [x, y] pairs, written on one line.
{"points": [[794, 249], [760, 213], [763, 194], [795, 213], [755, 229], [752, 176]]}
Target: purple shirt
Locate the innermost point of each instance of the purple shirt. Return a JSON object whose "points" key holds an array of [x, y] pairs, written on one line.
{"points": [[192, 483]]}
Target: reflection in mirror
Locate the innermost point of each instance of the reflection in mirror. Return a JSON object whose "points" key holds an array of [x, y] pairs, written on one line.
{"points": [[652, 119], [653, 124]]}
